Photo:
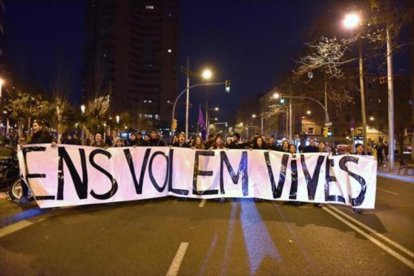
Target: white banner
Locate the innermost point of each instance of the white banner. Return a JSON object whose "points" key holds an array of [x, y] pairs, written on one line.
{"points": [[68, 175]]}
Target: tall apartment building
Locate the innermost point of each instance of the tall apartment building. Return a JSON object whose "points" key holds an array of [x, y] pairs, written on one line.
{"points": [[2, 15], [131, 53]]}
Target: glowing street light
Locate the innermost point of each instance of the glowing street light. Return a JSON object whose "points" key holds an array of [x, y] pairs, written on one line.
{"points": [[254, 115], [216, 108], [117, 119], [308, 112], [276, 95], [351, 21], [371, 118], [83, 108], [207, 74]]}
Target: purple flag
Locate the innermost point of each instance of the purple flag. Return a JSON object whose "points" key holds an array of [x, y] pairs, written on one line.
{"points": [[201, 123]]}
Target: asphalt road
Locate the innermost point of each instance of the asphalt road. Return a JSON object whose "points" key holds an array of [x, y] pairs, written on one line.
{"points": [[192, 237]]}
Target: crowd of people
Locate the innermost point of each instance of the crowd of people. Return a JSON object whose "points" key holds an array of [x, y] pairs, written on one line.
{"points": [[220, 142], [41, 134]]}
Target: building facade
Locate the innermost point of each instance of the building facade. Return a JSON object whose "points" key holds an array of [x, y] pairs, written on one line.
{"points": [[131, 54]]}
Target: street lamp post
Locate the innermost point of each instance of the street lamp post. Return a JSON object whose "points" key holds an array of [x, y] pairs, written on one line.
{"points": [[1, 85], [277, 96], [208, 116], [83, 108], [206, 74], [189, 88], [187, 101], [7, 123], [390, 82], [261, 121], [352, 21]]}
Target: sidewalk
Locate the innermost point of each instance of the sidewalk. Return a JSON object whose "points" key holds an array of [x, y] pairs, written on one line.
{"points": [[384, 172]]}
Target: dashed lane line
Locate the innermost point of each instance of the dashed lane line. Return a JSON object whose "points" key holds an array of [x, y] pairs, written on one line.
{"points": [[9, 229], [372, 239], [14, 227], [202, 202], [386, 191], [179, 256], [376, 233]]}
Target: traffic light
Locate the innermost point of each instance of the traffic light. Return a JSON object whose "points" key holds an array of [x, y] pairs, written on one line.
{"points": [[282, 100], [329, 131], [227, 84], [174, 125], [325, 132]]}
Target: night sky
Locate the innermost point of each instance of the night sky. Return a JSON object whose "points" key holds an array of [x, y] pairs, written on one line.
{"points": [[252, 43]]}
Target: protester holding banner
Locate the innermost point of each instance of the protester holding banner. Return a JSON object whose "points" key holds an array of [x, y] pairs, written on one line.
{"points": [[154, 139], [198, 143], [259, 144], [218, 143], [140, 139], [292, 149], [322, 147], [119, 142], [99, 142], [272, 145], [110, 139], [181, 143], [311, 147], [236, 143], [210, 141], [132, 140], [359, 149], [284, 147], [40, 135]]}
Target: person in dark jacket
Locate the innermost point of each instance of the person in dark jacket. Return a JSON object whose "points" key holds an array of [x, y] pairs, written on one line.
{"points": [[132, 141], [272, 143], [359, 150], [284, 147], [259, 143], [236, 143], [210, 141], [40, 136], [140, 139], [154, 140], [99, 142], [181, 143], [311, 147]]}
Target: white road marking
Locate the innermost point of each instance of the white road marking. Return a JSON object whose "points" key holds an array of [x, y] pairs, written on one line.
{"points": [[14, 227], [175, 265], [202, 202], [379, 235], [372, 239], [386, 191]]}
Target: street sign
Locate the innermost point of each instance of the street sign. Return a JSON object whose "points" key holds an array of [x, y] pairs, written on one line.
{"points": [[328, 124]]}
